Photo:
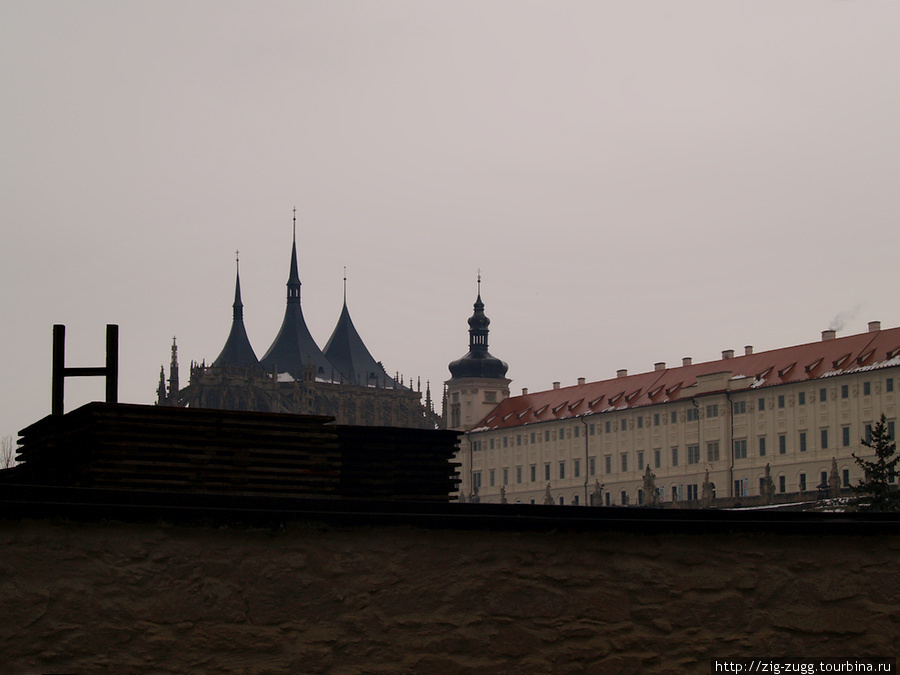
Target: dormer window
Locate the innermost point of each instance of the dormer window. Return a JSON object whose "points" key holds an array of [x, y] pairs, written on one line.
{"points": [[840, 362], [576, 404]]}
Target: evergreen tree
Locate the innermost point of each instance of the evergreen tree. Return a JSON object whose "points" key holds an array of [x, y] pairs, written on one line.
{"points": [[876, 492]]}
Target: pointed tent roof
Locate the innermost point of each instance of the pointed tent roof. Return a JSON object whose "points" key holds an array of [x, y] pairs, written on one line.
{"points": [[294, 347], [237, 351], [346, 350]]}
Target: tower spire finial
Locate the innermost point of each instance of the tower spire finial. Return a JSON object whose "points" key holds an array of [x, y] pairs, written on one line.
{"points": [[345, 284], [295, 224], [479, 282]]}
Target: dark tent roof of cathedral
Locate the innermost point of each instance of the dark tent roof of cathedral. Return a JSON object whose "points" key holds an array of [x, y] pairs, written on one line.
{"points": [[294, 347], [237, 352], [822, 360], [348, 353]]}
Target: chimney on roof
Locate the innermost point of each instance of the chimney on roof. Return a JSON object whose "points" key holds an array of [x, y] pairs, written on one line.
{"points": [[874, 326], [827, 335], [622, 373], [661, 365], [748, 350], [727, 354], [556, 385], [580, 380], [686, 361], [524, 391]]}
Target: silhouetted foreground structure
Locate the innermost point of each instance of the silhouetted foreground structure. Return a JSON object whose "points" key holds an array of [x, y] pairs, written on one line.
{"points": [[199, 450]]}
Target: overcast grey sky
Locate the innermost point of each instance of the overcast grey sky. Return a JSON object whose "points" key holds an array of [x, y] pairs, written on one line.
{"points": [[638, 180]]}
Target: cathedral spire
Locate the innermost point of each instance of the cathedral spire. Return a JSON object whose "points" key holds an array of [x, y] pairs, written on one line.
{"points": [[237, 352], [293, 283], [294, 351]]}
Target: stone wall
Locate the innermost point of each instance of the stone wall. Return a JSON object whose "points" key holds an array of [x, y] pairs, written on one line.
{"points": [[92, 597]]}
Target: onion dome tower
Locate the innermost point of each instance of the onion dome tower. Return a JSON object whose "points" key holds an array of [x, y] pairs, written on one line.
{"points": [[294, 351], [237, 352], [346, 350], [478, 380]]}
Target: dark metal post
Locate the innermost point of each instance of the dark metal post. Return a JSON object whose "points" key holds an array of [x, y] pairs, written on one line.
{"points": [[59, 367], [112, 363]]}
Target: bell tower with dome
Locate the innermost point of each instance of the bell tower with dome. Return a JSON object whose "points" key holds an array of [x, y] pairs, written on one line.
{"points": [[478, 380]]}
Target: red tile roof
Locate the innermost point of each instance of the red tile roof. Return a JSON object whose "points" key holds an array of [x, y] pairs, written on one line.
{"points": [[826, 358]]}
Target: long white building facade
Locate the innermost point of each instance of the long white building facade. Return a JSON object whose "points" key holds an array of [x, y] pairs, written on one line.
{"points": [[782, 421]]}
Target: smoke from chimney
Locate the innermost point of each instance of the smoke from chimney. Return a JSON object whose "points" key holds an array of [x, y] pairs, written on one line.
{"points": [[838, 322]]}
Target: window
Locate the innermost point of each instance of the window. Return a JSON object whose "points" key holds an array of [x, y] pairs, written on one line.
{"points": [[823, 440], [492, 444], [519, 439], [845, 436], [692, 415], [761, 404], [640, 422], [889, 384], [868, 429], [607, 461], [607, 498], [674, 493], [576, 432], [674, 456], [547, 471], [657, 459], [712, 410], [824, 477], [623, 425], [562, 435], [781, 400], [624, 496], [592, 466], [712, 451], [740, 449], [533, 441], [518, 474], [534, 473], [491, 478], [782, 444], [762, 446], [867, 388], [562, 470], [693, 454], [592, 429], [505, 439], [740, 407], [846, 478], [674, 417], [802, 441], [576, 468], [782, 486], [562, 501], [607, 426], [640, 462], [890, 430], [845, 391], [624, 461], [546, 435], [801, 398], [476, 479], [823, 394], [802, 482], [656, 419], [692, 492], [505, 476]]}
